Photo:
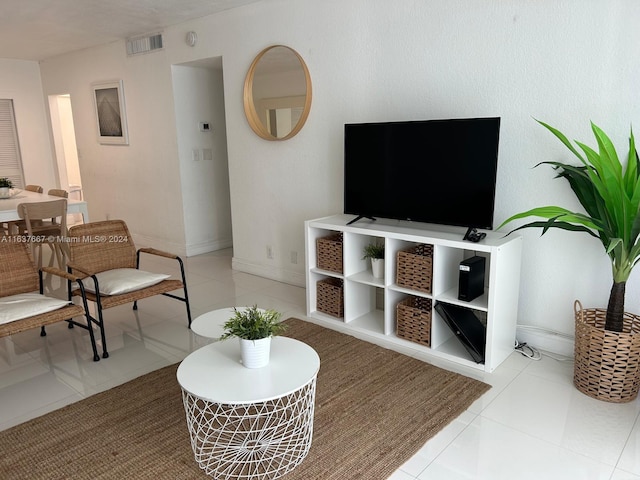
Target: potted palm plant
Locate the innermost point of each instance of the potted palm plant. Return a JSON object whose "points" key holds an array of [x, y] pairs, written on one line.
{"points": [[607, 347], [375, 251], [254, 327]]}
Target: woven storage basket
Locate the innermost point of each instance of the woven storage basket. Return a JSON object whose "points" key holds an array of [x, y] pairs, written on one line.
{"points": [[607, 364], [413, 320], [329, 297], [329, 253], [415, 266]]}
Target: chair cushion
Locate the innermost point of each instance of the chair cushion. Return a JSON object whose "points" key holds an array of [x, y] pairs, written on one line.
{"points": [[124, 280], [24, 305]]}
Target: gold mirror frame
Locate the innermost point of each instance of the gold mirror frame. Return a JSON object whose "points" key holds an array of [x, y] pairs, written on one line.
{"points": [[257, 125]]}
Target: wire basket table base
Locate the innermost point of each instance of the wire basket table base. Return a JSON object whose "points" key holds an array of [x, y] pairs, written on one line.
{"points": [[261, 441]]}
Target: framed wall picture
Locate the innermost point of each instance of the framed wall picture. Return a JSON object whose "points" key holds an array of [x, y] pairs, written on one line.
{"points": [[111, 116]]}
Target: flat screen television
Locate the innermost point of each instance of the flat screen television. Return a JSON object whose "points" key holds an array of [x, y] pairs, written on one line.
{"points": [[432, 171]]}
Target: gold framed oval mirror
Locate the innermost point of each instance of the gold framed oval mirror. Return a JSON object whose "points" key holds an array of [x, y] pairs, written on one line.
{"points": [[277, 93]]}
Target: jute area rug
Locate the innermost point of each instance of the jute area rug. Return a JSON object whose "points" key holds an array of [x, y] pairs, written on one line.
{"points": [[374, 409]]}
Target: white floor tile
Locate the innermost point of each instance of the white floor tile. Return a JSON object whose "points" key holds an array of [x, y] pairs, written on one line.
{"points": [[21, 400], [434, 447], [559, 414], [622, 475], [487, 450], [400, 475], [630, 458]]}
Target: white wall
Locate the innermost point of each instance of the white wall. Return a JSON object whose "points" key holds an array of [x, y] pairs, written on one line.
{"points": [[565, 62], [68, 135], [20, 81], [140, 182], [64, 138], [199, 97]]}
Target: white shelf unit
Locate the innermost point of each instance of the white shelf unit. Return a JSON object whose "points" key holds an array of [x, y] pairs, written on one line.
{"points": [[370, 303]]}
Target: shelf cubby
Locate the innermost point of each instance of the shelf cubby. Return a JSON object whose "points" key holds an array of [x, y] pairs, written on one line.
{"points": [[370, 303]]}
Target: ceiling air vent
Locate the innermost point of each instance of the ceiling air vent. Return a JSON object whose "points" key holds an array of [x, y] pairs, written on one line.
{"points": [[144, 44]]}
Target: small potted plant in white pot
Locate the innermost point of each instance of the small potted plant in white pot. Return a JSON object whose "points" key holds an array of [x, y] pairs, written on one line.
{"points": [[254, 327], [5, 187], [375, 251]]}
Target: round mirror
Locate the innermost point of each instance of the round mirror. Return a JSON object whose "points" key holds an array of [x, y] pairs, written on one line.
{"points": [[277, 93]]}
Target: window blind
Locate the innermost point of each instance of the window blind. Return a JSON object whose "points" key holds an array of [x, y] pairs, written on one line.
{"points": [[10, 159]]}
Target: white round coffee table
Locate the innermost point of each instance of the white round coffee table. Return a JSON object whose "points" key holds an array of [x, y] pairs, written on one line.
{"points": [[210, 324], [249, 423]]}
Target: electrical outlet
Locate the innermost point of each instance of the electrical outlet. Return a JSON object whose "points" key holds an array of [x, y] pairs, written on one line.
{"points": [[294, 257], [269, 252]]}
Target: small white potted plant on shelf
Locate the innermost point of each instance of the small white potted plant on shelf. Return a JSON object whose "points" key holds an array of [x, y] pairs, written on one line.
{"points": [[375, 251], [5, 187], [254, 327]]}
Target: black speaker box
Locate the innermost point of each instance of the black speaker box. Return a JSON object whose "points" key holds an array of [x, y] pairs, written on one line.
{"points": [[471, 281]]}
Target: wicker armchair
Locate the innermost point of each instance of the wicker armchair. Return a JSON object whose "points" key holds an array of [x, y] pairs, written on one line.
{"points": [[98, 249], [18, 275]]}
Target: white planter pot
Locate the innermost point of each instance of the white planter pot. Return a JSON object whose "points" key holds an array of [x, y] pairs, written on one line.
{"points": [[377, 266], [5, 192], [255, 353]]}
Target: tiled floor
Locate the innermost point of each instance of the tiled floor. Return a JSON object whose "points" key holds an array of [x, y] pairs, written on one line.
{"points": [[533, 424]]}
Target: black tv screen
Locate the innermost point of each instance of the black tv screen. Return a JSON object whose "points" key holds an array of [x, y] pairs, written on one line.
{"points": [[433, 171]]}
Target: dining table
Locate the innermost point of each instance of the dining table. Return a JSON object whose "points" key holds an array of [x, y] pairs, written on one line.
{"points": [[9, 206]]}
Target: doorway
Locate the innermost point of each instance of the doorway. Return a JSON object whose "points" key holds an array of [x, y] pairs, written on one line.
{"points": [[198, 90], [66, 150]]}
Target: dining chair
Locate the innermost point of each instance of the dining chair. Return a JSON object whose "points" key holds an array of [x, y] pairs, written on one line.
{"points": [[72, 218], [34, 188], [23, 303], [18, 226], [75, 193], [46, 223], [104, 254], [58, 192]]}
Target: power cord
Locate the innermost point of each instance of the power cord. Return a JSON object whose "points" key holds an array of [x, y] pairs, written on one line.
{"points": [[533, 353], [527, 350]]}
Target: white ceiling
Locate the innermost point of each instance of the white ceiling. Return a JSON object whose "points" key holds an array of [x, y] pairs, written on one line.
{"points": [[39, 29]]}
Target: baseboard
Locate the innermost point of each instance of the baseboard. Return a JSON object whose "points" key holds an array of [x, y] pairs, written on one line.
{"points": [[159, 244], [180, 249], [206, 247], [548, 341], [274, 273]]}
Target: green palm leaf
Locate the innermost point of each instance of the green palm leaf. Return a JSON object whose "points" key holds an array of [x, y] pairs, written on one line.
{"points": [[557, 224], [610, 195]]}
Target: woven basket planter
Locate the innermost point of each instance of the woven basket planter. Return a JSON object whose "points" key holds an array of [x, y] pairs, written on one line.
{"points": [[607, 364]]}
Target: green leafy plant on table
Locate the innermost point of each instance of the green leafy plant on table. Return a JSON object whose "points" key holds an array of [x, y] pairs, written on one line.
{"points": [[5, 183], [253, 324]]}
